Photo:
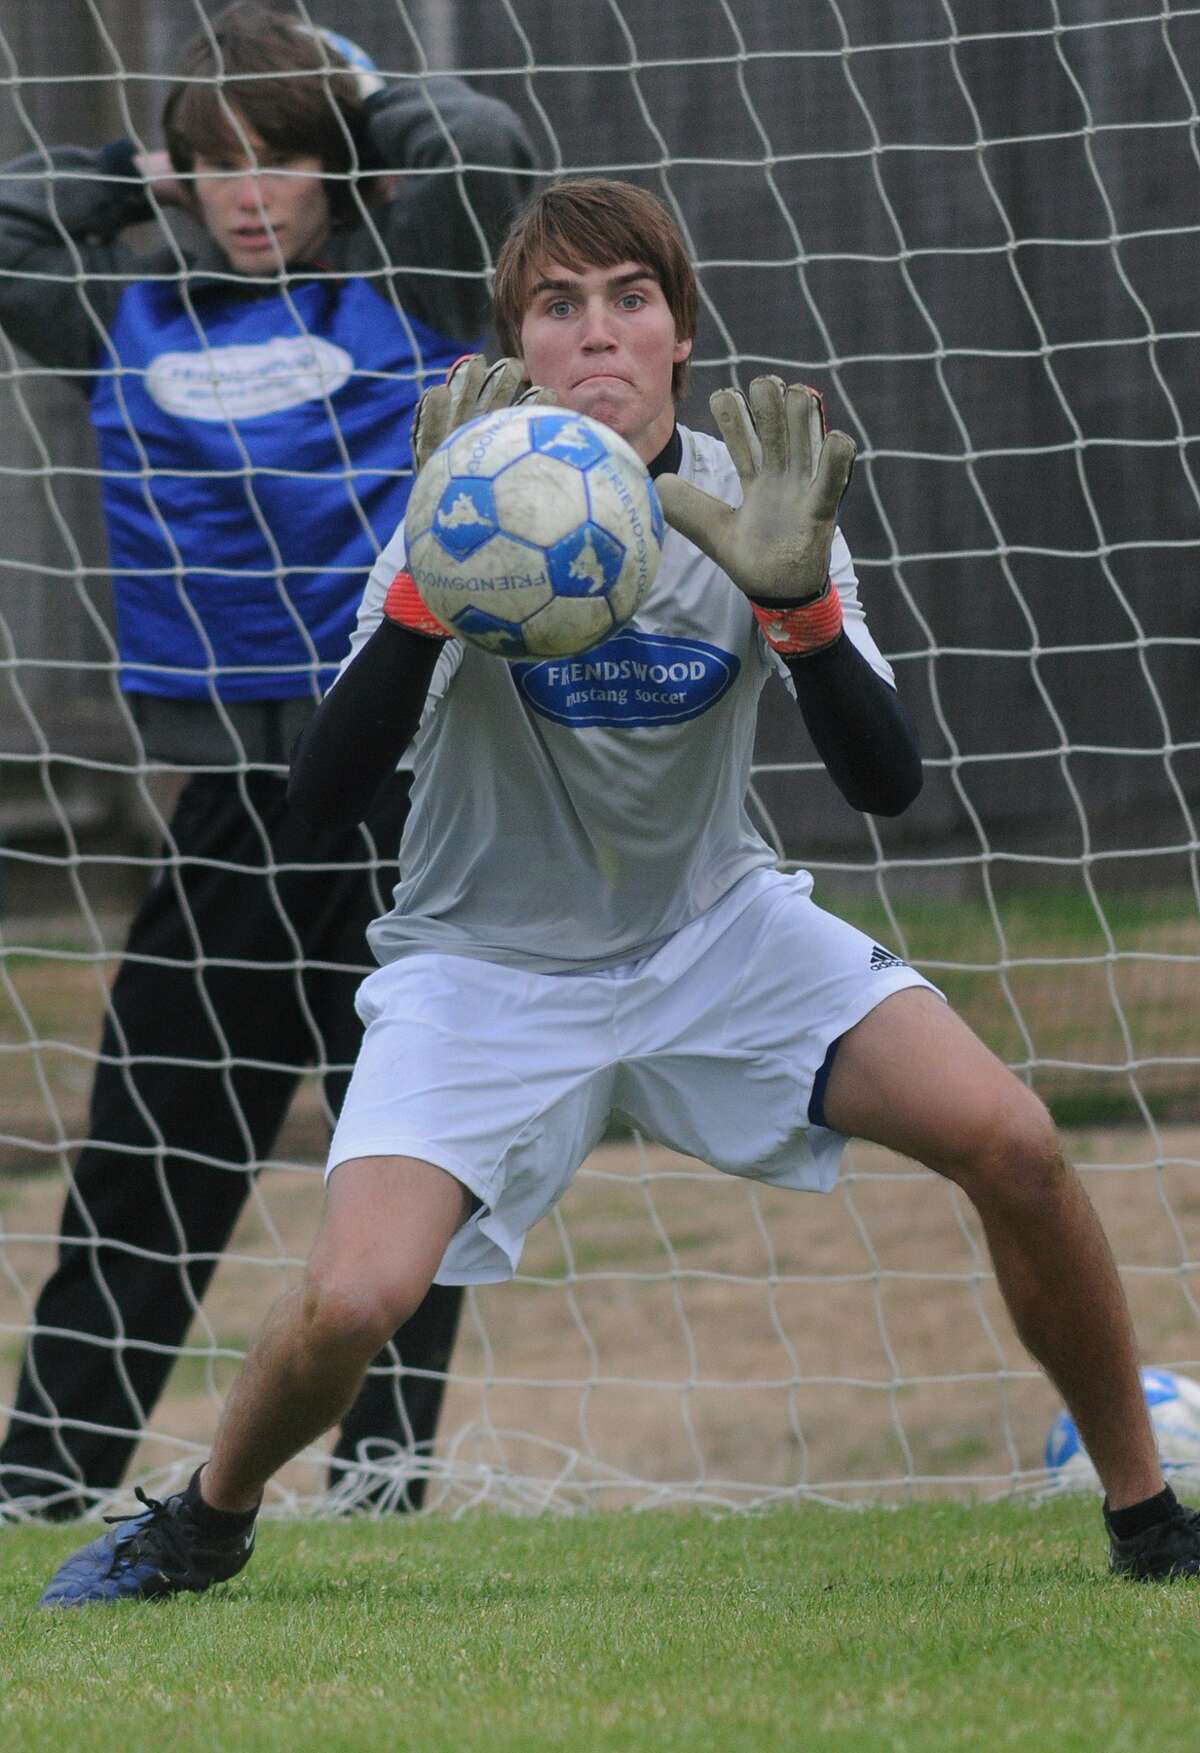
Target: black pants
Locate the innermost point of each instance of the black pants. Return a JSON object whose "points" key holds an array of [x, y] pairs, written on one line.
{"points": [[240, 971]]}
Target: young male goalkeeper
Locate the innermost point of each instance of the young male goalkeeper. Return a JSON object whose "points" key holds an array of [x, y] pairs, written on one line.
{"points": [[251, 386], [588, 920]]}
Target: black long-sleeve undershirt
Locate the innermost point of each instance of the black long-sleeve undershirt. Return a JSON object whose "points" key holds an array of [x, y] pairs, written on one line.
{"points": [[860, 727], [353, 741], [857, 722]]}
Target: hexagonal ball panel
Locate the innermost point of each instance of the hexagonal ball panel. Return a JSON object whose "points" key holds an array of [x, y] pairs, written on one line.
{"points": [[503, 579], [620, 504], [540, 499], [658, 522], [485, 446], [423, 500], [568, 627]]}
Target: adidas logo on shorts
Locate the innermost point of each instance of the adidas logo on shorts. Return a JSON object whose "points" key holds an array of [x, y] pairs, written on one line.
{"points": [[881, 958]]}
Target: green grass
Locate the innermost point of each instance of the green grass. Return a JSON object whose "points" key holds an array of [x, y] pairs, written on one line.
{"points": [[1026, 923], [932, 1627]]}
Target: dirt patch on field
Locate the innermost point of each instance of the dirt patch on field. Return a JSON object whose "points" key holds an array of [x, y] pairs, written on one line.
{"points": [[675, 1333]]}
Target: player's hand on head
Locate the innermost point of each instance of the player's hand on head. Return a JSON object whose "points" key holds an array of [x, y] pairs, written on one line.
{"points": [[776, 544], [158, 172], [472, 387]]}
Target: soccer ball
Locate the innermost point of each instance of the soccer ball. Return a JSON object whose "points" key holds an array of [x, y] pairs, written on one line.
{"points": [[1174, 1404], [533, 532]]}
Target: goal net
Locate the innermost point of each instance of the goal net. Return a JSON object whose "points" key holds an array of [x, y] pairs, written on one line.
{"points": [[972, 225]]}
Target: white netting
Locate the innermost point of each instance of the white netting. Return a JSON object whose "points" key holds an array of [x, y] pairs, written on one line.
{"points": [[974, 227]]}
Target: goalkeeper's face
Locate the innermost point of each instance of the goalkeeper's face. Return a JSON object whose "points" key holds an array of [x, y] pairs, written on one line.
{"points": [[264, 208], [603, 342]]}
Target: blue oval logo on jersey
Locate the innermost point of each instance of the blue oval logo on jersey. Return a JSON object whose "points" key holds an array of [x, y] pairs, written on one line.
{"points": [[633, 678]]}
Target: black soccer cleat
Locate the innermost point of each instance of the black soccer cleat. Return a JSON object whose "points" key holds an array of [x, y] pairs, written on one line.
{"points": [[1168, 1549], [162, 1552]]}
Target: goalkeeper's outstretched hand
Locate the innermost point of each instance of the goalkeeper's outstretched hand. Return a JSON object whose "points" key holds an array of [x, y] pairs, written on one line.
{"points": [[472, 387], [775, 545]]}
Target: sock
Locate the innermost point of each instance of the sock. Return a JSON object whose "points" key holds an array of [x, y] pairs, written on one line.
{"points": [[1135, 1518], [209, 1520]]}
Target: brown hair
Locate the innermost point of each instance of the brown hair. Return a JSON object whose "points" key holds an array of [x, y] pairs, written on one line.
{"points": [[314, 114], [594, 222]]}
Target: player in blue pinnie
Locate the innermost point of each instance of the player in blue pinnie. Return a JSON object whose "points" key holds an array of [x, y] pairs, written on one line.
{"points": [[251, 383], [589, 921]]}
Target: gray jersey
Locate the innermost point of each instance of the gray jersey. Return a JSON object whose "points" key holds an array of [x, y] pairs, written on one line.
{"points": [[571, 813]]}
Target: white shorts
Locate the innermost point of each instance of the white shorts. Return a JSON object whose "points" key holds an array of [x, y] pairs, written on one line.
{"points": [[714, 1046]]}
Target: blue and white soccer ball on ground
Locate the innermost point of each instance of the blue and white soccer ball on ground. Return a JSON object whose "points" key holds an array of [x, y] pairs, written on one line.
{"points": [[1174, 1406], [533, 532]]}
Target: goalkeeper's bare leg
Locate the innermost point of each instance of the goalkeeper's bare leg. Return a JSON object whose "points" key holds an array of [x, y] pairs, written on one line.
{"points": [[913, 1077], [387, 1223]]}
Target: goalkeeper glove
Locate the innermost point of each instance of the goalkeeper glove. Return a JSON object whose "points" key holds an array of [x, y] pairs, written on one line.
{"points": [[472, 387], [775, 545]]}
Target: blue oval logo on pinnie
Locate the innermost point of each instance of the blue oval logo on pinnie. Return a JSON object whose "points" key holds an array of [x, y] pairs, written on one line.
{"points": [[632, 679]]}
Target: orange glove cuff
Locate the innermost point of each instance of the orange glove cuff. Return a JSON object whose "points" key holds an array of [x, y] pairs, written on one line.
{"points": [[793, 632], [403, 604]]}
